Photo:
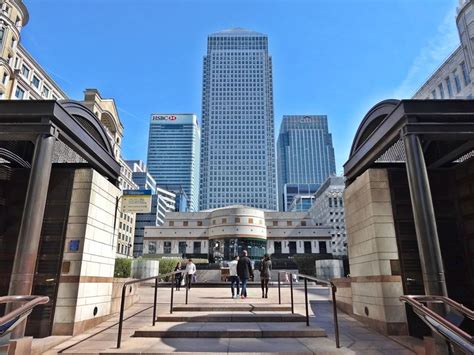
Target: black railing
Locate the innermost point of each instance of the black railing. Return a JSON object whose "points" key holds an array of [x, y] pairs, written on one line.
{"points": [[157, 278], [12, 319], [329, 284], [440, 325]]}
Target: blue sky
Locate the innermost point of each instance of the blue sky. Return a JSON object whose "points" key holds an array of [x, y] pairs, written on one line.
{"points": [[330, 57]]}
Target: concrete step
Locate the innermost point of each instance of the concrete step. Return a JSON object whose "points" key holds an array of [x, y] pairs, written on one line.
{"points": [[232, 317], [277, 346], [233, 308], [229, 330]]}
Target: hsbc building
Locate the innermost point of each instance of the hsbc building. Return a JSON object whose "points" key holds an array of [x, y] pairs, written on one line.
{"points": [[174, 153]]}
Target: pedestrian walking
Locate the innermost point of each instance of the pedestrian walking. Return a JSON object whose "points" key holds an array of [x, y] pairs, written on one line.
{"points": [[244, 271], [265, 274], [190, 273], [233, 277], [178, 277]]}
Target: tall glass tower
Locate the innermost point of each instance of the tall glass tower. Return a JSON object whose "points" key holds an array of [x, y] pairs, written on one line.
{"points": [[305, 156], [238, 154], [173, 154]]}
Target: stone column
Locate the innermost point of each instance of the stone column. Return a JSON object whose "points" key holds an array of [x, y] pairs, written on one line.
{"points": [[24, 265]]}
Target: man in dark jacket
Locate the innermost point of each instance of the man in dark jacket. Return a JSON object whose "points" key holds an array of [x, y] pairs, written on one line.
{"points": [[244, 271]]}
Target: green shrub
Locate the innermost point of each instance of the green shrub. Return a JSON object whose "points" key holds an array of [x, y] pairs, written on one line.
{"points": [[123, 268], [306, 264], [168, 264]]}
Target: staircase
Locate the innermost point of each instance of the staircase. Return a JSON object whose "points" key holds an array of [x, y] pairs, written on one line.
{"points": [[229, 328]]}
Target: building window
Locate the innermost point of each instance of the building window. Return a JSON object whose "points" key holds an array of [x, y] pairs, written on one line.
{"points": [[19, 93], [237, 220], [197, 247], [322, 248], [213, 222], [250, 220], [25, 71], [303, 223], [433, 94], [152, 248], [171, 223], [275, 223], [289, 223], [185, 223], [166, 247], [5, 78], [448, 85], [465, 74], [2, 33], [457, 82], [441, 90], [182, 248], [35, 81], [224, 220], [199, 223]]}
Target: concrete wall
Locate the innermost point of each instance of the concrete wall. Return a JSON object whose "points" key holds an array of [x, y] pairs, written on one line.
{"points": [[372, 250], [131, 294], [85, 285]]}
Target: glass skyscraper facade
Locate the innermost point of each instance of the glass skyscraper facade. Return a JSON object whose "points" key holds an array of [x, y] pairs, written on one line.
{"points": [[305, 155], [238, 155], [173, 154]]}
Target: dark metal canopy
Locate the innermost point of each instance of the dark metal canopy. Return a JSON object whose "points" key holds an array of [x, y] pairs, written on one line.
{"points": [[69, 121], [445, 127]]}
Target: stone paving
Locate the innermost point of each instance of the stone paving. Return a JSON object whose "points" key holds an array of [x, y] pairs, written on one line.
{"points": [[355, 337]]}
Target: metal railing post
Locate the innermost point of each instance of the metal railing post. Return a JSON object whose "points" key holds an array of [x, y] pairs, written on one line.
{"points": [[306, 300], [334, 307], [172, 293], [279, 289], [187, 289], [122, 306], [154, 300], [291, 293]]}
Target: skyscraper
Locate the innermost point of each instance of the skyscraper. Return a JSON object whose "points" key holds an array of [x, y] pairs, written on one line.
{"points": [[173, 154], [237, 158], [305, 156]]}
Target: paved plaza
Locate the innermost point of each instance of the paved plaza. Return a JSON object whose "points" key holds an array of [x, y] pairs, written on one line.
{"points": [[355, 337]]}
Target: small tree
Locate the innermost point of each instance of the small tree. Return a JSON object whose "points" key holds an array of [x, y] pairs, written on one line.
{"points": [[123, 268]]}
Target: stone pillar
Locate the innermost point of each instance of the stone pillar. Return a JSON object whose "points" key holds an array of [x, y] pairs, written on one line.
{"points": [[24, 266]]}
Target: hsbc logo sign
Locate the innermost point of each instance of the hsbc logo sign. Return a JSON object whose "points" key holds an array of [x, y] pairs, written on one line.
{"points": [[163, 117]]}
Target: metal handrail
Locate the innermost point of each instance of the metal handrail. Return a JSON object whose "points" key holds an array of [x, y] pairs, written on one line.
{"points": [[18, 314], [156, 278], [333, 288], [320, 281], [441, 325]]}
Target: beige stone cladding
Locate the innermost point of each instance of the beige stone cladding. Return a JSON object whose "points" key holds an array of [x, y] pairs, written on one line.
{"points": [[372, 250], [85, 288], [236, 222]]}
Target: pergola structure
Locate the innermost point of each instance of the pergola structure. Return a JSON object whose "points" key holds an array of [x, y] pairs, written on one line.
{"points": [[425, 135], [47, 124]]}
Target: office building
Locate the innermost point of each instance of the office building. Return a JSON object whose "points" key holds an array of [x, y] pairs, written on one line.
{"points": [[173, 154], [453, 78], [21, 76], [301, 203], [238, 145], [305, 156], [328, 208], [223, 233]]}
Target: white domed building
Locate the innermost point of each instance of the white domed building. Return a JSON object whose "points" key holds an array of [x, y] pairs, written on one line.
{"points": [[222, 233]]}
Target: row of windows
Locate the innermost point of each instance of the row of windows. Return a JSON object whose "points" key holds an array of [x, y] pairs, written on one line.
{"points": [[237, 220], [440, 93]]}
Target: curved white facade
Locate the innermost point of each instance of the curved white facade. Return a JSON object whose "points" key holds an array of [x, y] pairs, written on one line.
{"points": [[190, 233]]}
